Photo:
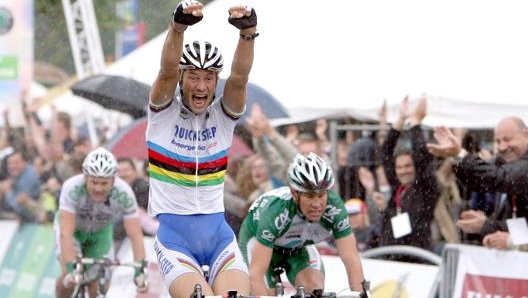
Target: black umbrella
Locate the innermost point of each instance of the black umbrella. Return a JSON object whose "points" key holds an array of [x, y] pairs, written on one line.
{"points": [[115, 92]]}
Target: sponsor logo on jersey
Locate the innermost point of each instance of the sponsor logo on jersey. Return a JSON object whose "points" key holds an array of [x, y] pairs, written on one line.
{"points": [[186, 134], [282, 220], [292, 235], [122, 197], [185, 114], [267, 235], [330, 212], [343, 225], [78, 192]]}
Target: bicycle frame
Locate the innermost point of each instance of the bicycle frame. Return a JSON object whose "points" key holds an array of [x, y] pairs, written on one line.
{"points": [[84, 281]]}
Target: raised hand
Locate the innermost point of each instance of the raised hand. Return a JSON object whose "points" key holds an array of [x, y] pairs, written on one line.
{"points": [[383, 113], [242, 16], [403, 115], [447, 144], [257, 122], [321, 126], [187, 13], [419, 112], [366, 178], [379, 200], [292, 132], [460, 132], [404, 108]]}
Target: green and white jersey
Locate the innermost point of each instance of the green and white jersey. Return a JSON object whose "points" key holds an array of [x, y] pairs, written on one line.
{"points": [[93, 216], [275, 221]]}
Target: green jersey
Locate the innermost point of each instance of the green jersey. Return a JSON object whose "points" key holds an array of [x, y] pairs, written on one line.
{"points": [[275, 222]]}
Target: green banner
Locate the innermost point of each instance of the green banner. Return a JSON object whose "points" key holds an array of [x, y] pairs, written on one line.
{"points": [[29, 268], [40, 249], [46, 288], [15, 256]]}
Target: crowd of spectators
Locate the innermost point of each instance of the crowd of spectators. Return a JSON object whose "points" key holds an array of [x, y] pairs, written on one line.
{"points": [[37, 158], [400, 185], [411, 194]]}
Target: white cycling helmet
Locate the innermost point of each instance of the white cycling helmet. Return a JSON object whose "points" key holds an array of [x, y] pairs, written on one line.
{"points": [[100, 163], [310, 174], [201, 55]]}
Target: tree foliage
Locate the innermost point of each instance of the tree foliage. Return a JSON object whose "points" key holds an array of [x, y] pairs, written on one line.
{"points": [[52, 43]]}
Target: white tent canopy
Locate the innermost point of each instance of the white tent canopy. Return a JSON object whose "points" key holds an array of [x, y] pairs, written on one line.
{"points": [[345, 57]]}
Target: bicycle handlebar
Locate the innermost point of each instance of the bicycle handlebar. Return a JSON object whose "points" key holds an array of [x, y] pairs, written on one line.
{"points": [[300, 294], [80, 271], [350, 294], [107, 262]]}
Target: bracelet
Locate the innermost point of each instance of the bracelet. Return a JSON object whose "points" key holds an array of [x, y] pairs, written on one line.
{"points": [[249, 37]]}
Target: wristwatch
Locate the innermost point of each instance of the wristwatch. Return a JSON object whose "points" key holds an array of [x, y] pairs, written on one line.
{"points": [[460, 156], [249, 37]]}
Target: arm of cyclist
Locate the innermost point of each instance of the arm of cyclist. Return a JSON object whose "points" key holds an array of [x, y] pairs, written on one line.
{"points": [[67, 248], [347, 249], [187, 13], [135, 234], [243, 18], [258, 268]]}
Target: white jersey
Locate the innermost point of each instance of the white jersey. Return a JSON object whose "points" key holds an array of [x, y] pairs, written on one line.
{"points": [[188, 158], [91, 216]]}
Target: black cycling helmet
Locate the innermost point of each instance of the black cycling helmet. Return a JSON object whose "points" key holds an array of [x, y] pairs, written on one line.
{"points": [[310, 174], [201, 55]]}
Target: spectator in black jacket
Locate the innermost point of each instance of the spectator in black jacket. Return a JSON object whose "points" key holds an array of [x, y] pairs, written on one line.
{"points": [[407, 218], [507, 174]]}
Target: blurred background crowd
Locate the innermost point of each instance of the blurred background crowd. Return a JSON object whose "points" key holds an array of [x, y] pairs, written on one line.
{"points": [[371, 166]]}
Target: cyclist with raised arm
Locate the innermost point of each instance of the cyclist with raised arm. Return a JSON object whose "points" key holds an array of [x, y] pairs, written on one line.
{"points": [[88, 205], [284, 224], [188, 137]]}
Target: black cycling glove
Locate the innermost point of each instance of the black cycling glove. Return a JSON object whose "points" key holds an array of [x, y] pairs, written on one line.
{"points": [[245, 22], [183, 18]]}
